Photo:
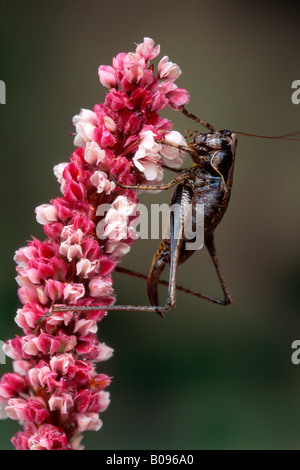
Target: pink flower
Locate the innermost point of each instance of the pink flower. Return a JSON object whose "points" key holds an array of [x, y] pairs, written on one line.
{"points": [[114, 226], [36, 410], [61, 363], [88, 422], [85, 124], [24, 255], [62, 402], [171, 155], [70, 251], [49, 437], [134, 66], [93, 154], [109, 123], [104, 400], [74, 292], [104, 353], [147, 49], [55, 290], [28, 316], [108, 76], [11, 385], [100, 181], [58, 172], [168, 70], [100, 287], [16, 409], [45, 214], [39, 377], [85, 267], [178, 98], [147, 159], [116, 249], [85, 327], [32, 410], [20, 441], [44, 343]]}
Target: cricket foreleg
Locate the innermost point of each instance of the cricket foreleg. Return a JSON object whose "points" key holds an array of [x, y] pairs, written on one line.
{"points": [[162, 187]]}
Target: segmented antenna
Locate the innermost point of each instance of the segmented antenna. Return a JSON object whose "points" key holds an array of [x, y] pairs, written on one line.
{"points": [[195, 118]]}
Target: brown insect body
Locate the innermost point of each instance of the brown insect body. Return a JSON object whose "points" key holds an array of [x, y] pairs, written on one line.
{"points": [[209, 183]]}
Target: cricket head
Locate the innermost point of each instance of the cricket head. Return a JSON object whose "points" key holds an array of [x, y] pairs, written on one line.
{"points": [[216, 151]]}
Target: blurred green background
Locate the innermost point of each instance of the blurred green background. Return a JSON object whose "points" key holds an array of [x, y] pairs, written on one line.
{"points": [[205, 377]]}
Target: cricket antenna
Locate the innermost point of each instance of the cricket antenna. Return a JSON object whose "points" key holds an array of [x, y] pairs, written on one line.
{"points": [[278, 137], [195, 118]]}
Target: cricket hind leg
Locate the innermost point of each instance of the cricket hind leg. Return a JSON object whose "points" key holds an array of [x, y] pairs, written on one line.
{"points": [[172, 287], [162, 282], [210, 245], [171, 297]]}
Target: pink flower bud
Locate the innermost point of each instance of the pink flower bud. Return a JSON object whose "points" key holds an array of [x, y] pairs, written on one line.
{"points": [[39, 376], [171, 156], [118, 61], [21, 367], [70, 251], [88, 422], [85, 327], [11, 385], [46, 214], [62, 402], [28, 316], [168, 70], [178, 98], [49, 437], [105, 352], [116, 249], [109, 124], [61, 363], [55, 290], [86, 115], [100, 287], [84, 267], [100, 181], [93, 154], [104, 400], [85, 133], [108, 76], [147, 49], [73, 292], [16, 409], [24, 255]]}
